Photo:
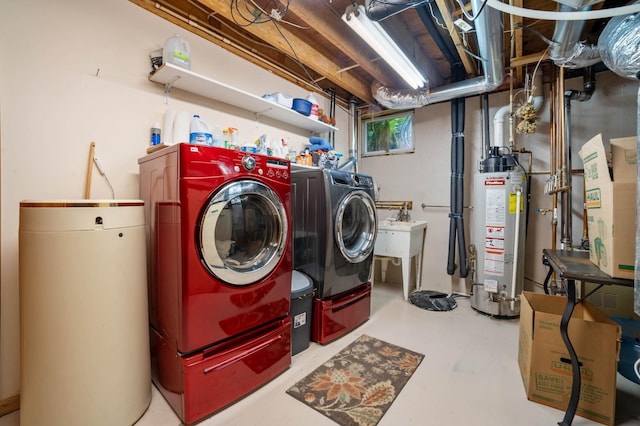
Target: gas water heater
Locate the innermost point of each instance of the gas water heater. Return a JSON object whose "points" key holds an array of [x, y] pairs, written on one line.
{"points": [[499, 214]]}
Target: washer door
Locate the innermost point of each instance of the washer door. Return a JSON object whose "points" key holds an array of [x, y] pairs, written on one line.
{"points": [[355, 226], [242, 232]]}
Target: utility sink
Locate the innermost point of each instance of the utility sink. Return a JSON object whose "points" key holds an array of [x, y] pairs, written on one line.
{"points": [[410, 225], [404, 240]]}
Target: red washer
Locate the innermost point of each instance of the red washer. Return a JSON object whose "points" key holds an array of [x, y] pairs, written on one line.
{"points": [[220, 262]]}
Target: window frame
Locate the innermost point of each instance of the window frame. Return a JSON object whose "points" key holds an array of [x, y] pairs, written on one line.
{"points": [[366, 143]]}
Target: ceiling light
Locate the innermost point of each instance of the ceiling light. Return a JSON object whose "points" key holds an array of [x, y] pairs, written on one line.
{"points": [[376, 37]]}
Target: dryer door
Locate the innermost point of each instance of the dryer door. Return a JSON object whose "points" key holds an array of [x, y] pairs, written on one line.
{"points": [[355, 227], [242, 232]]}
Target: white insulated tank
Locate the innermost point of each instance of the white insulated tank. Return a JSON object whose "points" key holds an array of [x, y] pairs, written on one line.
{"points": [[499, 217], [84, 313]]}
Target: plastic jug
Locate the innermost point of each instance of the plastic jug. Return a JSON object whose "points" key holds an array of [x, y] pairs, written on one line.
{"points": [[199, 132], [315, 110], [176, 51]]}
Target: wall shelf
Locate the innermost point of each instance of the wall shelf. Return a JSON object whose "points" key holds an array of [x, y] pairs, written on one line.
{"points": [[172, 76]]}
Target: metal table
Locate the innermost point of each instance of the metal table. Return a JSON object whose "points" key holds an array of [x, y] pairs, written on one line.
{"points": [[572, 266]]}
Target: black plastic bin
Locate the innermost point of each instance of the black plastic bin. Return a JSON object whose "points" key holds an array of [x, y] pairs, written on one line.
{"points": [[301, 310]]}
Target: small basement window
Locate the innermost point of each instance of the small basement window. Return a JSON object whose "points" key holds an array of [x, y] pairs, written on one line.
{"points": [[387, 134]]}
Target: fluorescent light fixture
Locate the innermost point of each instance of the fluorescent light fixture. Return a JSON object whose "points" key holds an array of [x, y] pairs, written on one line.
{"points": [[376, 37]]}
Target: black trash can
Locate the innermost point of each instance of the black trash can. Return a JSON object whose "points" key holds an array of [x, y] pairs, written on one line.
{"points": [[301, 309]]}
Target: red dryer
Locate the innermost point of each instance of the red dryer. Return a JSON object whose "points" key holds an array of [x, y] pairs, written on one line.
{"points": [[220, 262]]}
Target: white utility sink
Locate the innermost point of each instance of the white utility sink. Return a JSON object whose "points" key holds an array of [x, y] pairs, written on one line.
{"points": [[392, 225], [404, 240]]}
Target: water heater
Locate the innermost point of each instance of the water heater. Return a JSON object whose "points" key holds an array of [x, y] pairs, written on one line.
{"points": [[498, 232]]}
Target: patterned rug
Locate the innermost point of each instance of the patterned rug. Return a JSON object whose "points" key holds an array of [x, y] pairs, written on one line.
{"points": [[359, 384]]}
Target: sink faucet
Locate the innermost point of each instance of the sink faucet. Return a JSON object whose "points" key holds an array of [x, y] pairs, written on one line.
{"points": [[403, 214]]}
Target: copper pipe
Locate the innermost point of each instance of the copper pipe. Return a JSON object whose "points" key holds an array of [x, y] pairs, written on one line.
{"points": [[394, 205], [561, 128], [585, 225], [552, 152]]}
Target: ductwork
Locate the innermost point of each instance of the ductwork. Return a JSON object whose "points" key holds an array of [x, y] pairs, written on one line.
{"points": [[618, 45], [489, 30], [567, 50], [379, 10]]}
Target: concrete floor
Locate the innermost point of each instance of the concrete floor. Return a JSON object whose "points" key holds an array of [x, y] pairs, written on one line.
{"points": [[469, 376]]}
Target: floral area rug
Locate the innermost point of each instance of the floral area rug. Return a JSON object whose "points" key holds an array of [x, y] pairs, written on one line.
{"points": [[359, 384]]}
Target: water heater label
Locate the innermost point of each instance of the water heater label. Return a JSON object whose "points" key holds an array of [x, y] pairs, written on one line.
{"points": [[513, 199], [496, 199], [491, 286], [494, 262]]}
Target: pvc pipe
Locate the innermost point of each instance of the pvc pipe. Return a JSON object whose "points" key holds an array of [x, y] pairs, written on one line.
{"points": [[563, 16], [516, 242], [498, 120], [498, 123]]}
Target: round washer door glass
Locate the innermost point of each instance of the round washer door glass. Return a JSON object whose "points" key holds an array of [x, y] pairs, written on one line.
{"points": [[242, 232], [356, 226]]}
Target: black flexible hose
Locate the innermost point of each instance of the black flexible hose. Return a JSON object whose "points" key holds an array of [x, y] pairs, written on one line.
{"points": [[462, 245], [453, 190]]}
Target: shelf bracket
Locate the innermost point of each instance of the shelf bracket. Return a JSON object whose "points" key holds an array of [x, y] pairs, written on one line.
{"points": [[167, 88]]}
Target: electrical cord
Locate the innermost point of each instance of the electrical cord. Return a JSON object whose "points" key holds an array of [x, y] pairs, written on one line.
{"points": [[104, 175], [467, 15]]}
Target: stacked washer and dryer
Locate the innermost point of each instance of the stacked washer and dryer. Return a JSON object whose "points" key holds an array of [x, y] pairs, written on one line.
{"points": [[220, 267], [334, 234]]}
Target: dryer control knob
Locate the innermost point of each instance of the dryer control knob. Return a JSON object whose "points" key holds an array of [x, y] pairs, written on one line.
{"points": [[248, 162]]}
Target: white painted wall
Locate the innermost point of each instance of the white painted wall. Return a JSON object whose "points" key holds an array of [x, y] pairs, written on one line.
{"points": [[54, 102], [423, 177], [52, 105]]}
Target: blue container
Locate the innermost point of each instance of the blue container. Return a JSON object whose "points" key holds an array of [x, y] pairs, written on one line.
{"points": [[303, 106]]}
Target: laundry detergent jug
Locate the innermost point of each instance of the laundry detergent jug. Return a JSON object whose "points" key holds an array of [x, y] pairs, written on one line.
{"points": [[199, 132], [176, 51]]}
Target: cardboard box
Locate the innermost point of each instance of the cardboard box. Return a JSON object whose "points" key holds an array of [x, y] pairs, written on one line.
{"points": [[611, 204], [613, 300], [545, 364]]}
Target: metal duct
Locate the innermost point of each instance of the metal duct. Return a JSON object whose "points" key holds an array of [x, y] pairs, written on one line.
{"points": [[618, 45], [567, 49], [353, 138], [489, 29], [379, 10]]}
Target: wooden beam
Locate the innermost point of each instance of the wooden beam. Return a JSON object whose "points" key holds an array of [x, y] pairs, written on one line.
{"points": [[344, 80], [517, 21], [287, 42], [529, 59], [9, 405], [318, 17], [446, 11]]}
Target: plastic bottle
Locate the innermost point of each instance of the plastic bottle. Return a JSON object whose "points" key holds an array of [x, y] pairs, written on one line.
{"points": [[155, 134], [176, 51], [225, 138], [217, 136], [235, 138], [199, 132], [314, 105]]}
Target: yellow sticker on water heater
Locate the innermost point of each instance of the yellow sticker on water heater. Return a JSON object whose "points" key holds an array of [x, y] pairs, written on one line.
{"points": [[512, 202]]}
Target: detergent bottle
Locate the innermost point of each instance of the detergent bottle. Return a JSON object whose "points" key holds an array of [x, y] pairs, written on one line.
{"points": [[199, 132]]}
